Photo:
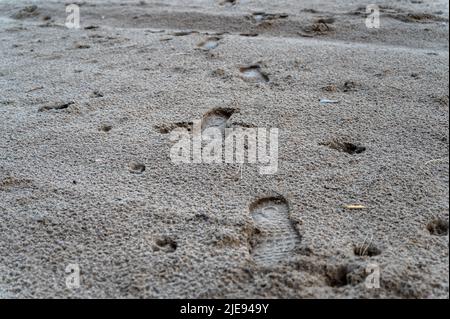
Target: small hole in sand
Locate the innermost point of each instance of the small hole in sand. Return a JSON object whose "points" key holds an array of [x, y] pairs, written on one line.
{"points": [[165, 244], [369, 250], [337, 276], [56, 106], [106, 128], [347, 147], [97, 94], [228, 2], [438, 227], [167, 128], [137, 168]]}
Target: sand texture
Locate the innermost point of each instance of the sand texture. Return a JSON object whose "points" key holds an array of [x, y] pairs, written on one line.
{"points": [[85, 170]]}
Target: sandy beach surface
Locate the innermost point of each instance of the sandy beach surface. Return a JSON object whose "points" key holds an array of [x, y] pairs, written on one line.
{"points": [[86, 176]]}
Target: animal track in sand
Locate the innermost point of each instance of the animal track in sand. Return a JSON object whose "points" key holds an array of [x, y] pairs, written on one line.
{"points": [[275, 236], [217, 118], [344, 146], [253, 73]]}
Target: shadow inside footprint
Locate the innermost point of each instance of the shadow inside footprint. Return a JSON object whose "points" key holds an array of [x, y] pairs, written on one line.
{"points": [[346, 87], [438, 227], [165, 244], [55, 106], [346, 147], [217, 118], [167, 128], [209, 44], [275, 236], [228, 2], [253, 73], [136, 168], [105, 128]]}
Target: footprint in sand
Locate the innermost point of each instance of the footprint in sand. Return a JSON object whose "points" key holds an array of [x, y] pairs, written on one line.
{"points": [[275, 236], [217, 118], [209, 44], [253, 73]]}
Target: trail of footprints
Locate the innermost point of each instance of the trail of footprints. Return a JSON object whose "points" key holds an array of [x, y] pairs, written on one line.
{"points": [[274, 236]]}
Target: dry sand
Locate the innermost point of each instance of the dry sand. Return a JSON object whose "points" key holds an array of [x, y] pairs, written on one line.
{"points": [[82, 112]]}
